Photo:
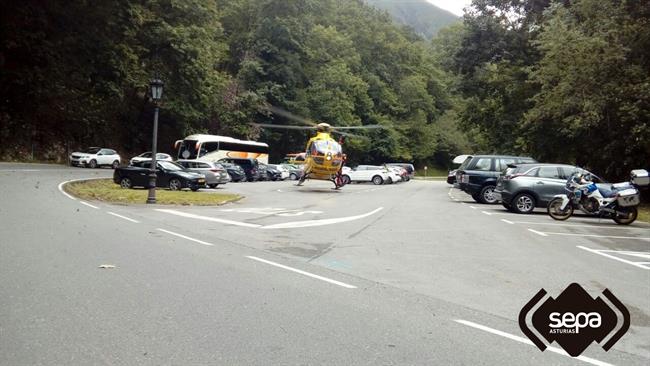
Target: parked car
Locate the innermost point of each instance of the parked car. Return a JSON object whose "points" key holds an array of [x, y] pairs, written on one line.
{"points": [[214, 173], [168, 174], [95, 157], [394, 174], [295, 171], [410, 169], [284, 172], [458, 160], [147, 156], [522, 187], [235, 172], [478, 174], [366, 173], [250, 166]]}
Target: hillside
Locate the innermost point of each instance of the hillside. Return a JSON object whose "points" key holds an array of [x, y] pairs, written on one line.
{"points": [[425, 18]]}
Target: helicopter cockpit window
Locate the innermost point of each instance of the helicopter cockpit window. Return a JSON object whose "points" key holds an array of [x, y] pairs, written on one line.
{"points": [[322, 147]]}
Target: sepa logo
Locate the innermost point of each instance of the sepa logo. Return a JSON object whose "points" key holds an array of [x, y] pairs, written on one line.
{"points": [[574, 319]]}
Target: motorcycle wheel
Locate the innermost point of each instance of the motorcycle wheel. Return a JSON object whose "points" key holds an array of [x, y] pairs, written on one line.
{"points": [[632, 213], [556, 213]]}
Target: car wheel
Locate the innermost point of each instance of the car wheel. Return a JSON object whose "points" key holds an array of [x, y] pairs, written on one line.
{"points": [[126, 183], [487, 195], [389, 180], [377, 180], [92, 164], [213, 185], [194, 188], [115, 164], [293, 176], [346, 179], [175, 184], [523, 203]]}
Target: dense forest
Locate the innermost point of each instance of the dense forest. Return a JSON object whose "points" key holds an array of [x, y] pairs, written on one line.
{"points": [[563, 81]]}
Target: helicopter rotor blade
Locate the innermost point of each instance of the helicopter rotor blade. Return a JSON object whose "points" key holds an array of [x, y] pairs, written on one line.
{"points": [[290, 116], [283, 127], [366, 127], [347, 134]]}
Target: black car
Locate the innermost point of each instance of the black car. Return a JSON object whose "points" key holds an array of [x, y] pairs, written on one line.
{"points": [[478, 174], [236, 172], [250, 166], [168, 174], [269, 172]]}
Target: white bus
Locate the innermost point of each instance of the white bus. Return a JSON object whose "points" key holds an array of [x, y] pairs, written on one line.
{"points": [[214, 147]]}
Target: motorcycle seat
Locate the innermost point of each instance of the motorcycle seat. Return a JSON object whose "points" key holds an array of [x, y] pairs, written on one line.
{"points": [[607, 192]]}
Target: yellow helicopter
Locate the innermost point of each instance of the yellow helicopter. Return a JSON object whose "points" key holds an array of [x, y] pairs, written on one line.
{"points": [[324, 157]]}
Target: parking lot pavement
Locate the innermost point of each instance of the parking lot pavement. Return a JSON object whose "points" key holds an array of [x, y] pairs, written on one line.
{"points": [[418, 248]]}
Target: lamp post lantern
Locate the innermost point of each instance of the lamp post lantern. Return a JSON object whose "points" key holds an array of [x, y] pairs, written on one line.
{"points": [[156, 94]]}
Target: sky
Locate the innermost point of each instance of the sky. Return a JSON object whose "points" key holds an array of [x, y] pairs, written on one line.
{"points": [[454, 6]]}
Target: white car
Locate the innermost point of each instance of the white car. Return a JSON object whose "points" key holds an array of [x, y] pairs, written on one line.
{"points": [[395, 173], [94, 157], [366, 173], [147, 156]]}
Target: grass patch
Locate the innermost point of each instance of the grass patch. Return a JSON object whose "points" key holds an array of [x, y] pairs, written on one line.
{"points": [[106, 191], [644, 212]]}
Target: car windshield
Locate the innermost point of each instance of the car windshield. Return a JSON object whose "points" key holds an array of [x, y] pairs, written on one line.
{"points": [[146, 155], [168, 165], [92, 150]]}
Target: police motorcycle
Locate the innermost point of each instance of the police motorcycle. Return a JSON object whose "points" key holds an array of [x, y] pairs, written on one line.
{"points": [[617, 201]]}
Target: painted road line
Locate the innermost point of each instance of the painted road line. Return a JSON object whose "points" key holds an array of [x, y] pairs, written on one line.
{"points": [[207, 218], [184, 237], [596, 236], [342, 284], [89, 205], [472, 207], [487, 213], [618, 227], [308, 223], [537, 232], [64, 192], [528, 342], [601, 252], [123, 217], [508, 221]]}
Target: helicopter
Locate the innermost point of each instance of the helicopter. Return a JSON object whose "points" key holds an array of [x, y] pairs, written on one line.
{"points": [[324, 157]]}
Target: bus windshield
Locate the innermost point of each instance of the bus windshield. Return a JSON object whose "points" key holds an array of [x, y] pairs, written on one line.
{"points": [[188, 150]]}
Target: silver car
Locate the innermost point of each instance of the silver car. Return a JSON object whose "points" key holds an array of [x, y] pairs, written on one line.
{"points": [[215, 173], [522, 187]]}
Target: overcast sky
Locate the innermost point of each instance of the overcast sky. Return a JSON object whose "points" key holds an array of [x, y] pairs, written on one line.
{"points": [[454, 6]]}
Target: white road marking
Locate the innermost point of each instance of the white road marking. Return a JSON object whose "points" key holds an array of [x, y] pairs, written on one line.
{"points": [[595, 236], [537, 232], [529, 342], [463, 203], [184, 237], [472, 207], [123, 217], [342, 284], [601, 252], [89, 205], [19, 170], [508, 221], [578, 225], [64, 192], [308, 223], [206, 218], [487, 213]]}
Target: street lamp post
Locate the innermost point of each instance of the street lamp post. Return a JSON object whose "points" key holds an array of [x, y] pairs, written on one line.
{"points": [[156, 94]]}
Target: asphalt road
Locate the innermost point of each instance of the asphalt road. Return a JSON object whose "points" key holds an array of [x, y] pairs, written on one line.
{"points": [[412, 273]]}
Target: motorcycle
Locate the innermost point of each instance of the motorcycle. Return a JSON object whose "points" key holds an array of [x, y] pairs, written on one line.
{"points": [[618, 203]]}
